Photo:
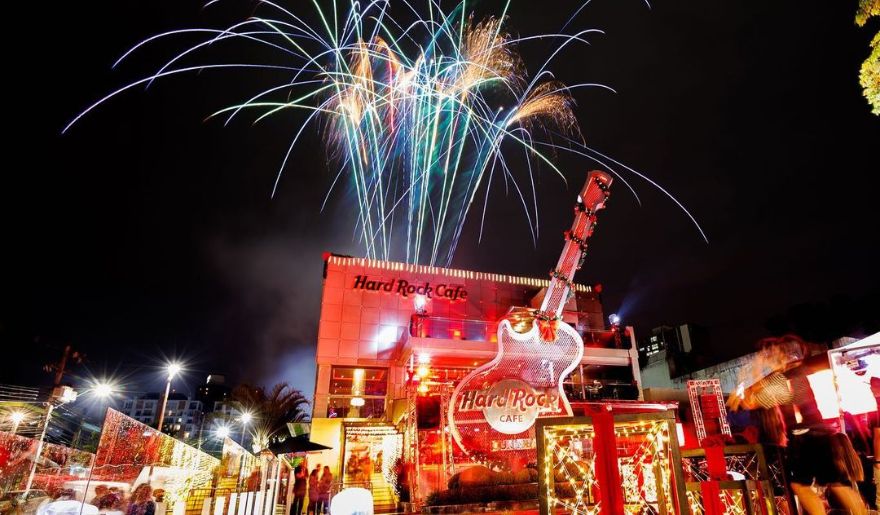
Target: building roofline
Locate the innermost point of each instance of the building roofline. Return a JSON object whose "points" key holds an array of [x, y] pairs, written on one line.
{"points": [[342, 260]]}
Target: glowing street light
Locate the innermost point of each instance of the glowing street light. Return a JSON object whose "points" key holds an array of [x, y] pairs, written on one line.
{"points": [[103, 390], [173, 369], [17, 417], [245, 419], [222, 432]]}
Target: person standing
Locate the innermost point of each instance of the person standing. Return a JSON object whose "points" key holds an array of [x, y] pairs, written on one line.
{"points": [[816, 452], [142, 501], [314, 496], [299, 490], [324, 490]]}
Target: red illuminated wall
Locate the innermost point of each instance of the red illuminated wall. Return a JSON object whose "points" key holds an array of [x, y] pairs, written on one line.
{"points": [[360, 326]]}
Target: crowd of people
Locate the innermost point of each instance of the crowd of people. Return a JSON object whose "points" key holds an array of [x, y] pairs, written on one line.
{"points": [[821, 460], [315, 487], [106, 500]]}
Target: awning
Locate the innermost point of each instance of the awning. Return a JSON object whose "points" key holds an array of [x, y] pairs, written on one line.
{"points": [[293, 444]]}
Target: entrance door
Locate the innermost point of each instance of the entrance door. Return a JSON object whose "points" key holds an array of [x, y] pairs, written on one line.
{"points": [[368, 462]]}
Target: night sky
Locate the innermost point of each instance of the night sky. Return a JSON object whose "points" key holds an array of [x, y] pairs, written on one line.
{"points": [[147, 232]]}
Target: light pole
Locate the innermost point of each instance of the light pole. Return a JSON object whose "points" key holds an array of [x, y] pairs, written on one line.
{"points": [[173, 370], [59, 396], [102, 390], [17, 417], [245, 419]]}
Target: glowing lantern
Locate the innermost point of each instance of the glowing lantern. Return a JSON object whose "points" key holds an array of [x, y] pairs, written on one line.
{"points": [[352, 501]]}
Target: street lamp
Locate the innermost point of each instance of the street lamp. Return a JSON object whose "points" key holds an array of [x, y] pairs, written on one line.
{"points": [[103, 390], [173, 369], [245, 419], [222, 432], [17, 417]]}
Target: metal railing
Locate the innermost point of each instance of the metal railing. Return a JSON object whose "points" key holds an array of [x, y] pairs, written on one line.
{"points": [[426, 326], [195, 501]]}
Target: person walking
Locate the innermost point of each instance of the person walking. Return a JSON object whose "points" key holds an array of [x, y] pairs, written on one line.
{"points": [[300, 482], [324, 490], [314, 496], [790, 418]]}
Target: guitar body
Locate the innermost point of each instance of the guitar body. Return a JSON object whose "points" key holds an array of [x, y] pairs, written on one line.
{"points": [[507, 394]]}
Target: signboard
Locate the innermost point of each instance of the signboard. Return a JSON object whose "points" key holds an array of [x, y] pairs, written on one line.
{"points": [[405, 288], [494, 408], [510, 406]]}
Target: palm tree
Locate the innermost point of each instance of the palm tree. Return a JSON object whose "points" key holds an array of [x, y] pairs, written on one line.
{"points": [[272, 410]]}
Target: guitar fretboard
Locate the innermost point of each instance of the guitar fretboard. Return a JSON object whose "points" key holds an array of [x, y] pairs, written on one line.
{"points": [[591, 200]]}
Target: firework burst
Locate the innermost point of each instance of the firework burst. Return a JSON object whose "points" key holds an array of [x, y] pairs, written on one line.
{"points": [[414, 111]]}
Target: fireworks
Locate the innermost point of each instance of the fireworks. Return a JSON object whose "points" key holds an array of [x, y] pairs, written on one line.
{"points": [[414, 112]]}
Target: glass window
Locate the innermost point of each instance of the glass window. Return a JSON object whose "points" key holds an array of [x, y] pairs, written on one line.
{"points": [[340, 407], [573, 385], [359, 381]]}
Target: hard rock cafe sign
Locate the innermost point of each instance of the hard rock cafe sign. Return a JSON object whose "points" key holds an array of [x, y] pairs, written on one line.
{"points": [[510, 406], [494, 408], [406, 288]]}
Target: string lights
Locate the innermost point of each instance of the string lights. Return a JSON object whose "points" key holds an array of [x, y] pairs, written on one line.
{"points": [[643, 459], [448, 272]]}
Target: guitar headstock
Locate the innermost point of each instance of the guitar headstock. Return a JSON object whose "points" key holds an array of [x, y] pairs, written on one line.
{"points": [[595, 192]]}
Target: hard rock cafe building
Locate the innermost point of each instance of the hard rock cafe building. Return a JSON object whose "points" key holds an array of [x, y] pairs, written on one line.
{"points": [[395, 342]]}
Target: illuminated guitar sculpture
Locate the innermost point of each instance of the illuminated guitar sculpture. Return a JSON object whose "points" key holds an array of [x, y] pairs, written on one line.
{"points": [[524, 381]]}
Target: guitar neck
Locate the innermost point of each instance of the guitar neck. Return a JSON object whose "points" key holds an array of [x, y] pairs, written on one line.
{"points": [[591, 200]]}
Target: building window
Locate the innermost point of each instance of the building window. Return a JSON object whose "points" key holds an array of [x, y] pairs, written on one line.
{"points": [[359, 382], [341, 407], [357, 392]]}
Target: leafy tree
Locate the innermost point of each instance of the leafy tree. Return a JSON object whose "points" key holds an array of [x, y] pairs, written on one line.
{"points": [[869, 75], [272, 409]]}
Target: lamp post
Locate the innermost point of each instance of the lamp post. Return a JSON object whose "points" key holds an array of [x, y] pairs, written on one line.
{"points": [[173, 370], [245, 419], [60, 395], [104, 391]]}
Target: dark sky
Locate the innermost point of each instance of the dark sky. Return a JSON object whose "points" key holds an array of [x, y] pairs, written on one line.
{"points": [[148, 232]]}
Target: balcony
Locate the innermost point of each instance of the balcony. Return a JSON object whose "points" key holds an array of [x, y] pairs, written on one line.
{"points": [[469, 342]]}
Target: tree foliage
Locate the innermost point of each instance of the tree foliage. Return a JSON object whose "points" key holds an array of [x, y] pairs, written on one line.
{"points": [[272, 409], [869, 75]]}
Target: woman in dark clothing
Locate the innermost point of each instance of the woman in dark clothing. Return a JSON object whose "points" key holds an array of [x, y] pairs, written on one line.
{"points": [[299, 490], [314, 495]]}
